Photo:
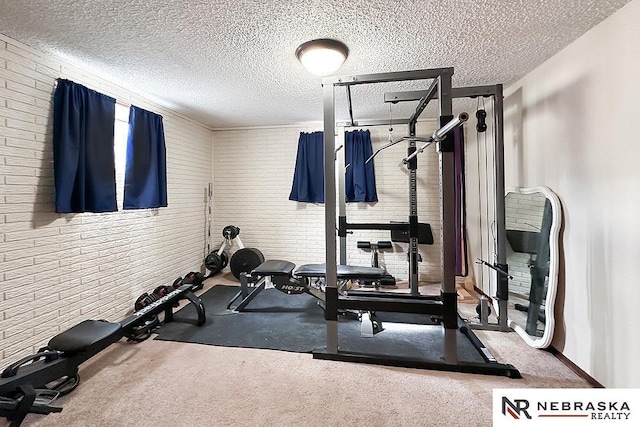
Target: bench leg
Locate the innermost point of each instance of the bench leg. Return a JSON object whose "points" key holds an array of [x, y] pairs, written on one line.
{"points": [[369, 324], [244, 293]]}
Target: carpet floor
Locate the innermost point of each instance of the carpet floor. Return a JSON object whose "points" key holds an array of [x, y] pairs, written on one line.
{"points": [[163, 383]]}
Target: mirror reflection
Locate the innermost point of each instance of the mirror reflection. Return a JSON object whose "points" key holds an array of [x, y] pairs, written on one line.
{"points": [[532, 224]]}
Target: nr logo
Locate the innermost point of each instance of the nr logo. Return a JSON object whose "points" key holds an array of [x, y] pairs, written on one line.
{"points": [[516, 409]]}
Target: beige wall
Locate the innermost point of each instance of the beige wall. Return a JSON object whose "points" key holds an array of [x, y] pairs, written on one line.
{"points": [[57, 270], [570, 125]]}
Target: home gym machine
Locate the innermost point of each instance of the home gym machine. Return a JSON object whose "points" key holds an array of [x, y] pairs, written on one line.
{"points": [[500, 267], [32, 383], [444, 307]]}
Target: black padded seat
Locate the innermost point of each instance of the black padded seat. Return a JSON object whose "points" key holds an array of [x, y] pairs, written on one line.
{"points": [[344, 271], [273, 267], [84, 335]]}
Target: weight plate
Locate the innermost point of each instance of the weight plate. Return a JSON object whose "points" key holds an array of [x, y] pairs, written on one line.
{"points": [[230, 232], [214, 262], [245, 260]]}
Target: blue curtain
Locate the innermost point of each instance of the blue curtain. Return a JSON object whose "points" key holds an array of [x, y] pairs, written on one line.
{"points": [[83, 157], [360, 178], [308, 177], [145, 180]]}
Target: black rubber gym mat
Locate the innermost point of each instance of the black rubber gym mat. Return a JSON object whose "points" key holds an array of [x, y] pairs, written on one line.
{"points": [[277, 321]]}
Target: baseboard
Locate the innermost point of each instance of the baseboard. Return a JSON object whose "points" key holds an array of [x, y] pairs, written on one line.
{"points": [[575, 368], [479, 292], [561, 357]]}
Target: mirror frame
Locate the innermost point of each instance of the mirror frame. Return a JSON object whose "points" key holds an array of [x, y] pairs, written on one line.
{"points": [[554, 255]]}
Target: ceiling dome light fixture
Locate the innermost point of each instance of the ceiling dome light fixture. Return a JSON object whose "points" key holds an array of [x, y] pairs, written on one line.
{"points": [[322, 56]]}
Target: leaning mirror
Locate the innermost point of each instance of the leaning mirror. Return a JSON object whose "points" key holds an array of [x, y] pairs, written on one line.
{"points": [[532, 220]]}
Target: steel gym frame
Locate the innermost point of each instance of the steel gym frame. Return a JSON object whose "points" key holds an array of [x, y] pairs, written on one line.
{"points": [[445, 305]]}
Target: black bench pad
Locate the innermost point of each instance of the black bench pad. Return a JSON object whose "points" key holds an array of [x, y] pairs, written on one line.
{"points": [[273, 267], [83, 335], [344, 271]]}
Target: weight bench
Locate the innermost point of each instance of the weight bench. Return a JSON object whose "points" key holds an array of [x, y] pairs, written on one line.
{"points": [[32, 383], [308, 278], [281, 276]]}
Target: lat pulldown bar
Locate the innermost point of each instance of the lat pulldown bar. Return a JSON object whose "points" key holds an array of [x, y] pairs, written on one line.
{"points": [[439, 135]]}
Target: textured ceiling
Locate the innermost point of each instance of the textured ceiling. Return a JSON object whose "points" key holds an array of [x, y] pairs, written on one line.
{"points": [[232, 63]]}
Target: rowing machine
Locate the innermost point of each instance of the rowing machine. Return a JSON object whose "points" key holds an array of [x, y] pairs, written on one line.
{"points": [[32, 383]]}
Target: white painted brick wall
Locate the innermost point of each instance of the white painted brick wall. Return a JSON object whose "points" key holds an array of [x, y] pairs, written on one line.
{"points": [[57, 270], [253, 172]]}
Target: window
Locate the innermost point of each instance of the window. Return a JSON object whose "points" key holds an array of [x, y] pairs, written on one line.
{"points": [[106, 156], [120, 134]]}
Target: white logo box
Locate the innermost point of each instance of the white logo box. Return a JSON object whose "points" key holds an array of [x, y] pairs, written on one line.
{"points": [[567, 407]]}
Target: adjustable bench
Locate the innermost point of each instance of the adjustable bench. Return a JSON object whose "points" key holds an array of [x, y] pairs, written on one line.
{"points": [[309, 278], [280, 274]]}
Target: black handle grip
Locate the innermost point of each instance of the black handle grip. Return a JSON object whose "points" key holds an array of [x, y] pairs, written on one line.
{"points": [[12, 370]]}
